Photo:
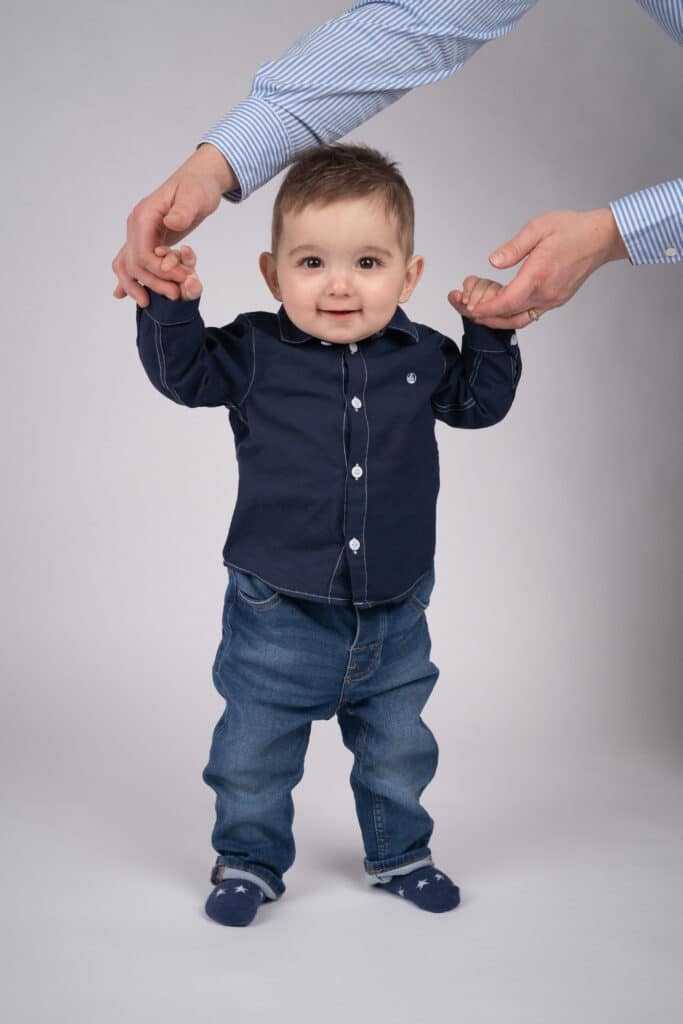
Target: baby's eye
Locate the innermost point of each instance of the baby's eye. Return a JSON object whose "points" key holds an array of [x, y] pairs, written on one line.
{"points": [[311, 262], [368, 262]]}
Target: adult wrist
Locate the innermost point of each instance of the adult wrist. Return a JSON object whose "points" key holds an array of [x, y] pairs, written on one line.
{"points": [[612, 245], [208, 160]]}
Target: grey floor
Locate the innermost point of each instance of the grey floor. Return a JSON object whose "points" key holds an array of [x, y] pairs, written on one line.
{"points": [[569, 864]]}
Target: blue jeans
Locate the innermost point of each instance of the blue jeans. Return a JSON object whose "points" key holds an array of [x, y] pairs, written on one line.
{"points": [[284, 663]]}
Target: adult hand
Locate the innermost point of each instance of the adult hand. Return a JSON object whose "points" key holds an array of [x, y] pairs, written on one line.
{"points": [[560, 251], [163, 218]]}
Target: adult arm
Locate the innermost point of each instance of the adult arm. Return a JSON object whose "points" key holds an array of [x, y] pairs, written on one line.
{"points": [[650, 222], [348, 69], [330, 81], [563, 248]]}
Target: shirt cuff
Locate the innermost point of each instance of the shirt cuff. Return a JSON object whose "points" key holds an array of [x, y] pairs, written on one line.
{"points": [[651, 223], [168, 312], [479, 338], [257, 142]]}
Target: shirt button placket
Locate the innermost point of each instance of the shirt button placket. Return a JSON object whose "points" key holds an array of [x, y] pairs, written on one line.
{"points": [[356, 478]]}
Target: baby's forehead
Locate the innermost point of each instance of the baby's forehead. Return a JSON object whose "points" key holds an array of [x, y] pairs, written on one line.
{"points": [[339, 219]]}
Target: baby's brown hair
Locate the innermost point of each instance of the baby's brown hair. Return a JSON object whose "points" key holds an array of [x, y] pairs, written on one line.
{"points": [[327, 173]]}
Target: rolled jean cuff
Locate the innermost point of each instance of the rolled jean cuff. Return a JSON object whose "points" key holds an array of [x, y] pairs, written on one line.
{"points": [[271, 888], [383, 871]]}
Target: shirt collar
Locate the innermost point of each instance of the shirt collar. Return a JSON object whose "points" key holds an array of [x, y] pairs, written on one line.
{"points": [[399, 324]]}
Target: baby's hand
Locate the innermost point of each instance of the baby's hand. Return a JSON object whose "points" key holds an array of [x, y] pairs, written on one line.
{"points": [[191, 287], [474, 289]]}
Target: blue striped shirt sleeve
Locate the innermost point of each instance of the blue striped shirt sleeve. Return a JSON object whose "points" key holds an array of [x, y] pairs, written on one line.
{"points": [[668, 14], [346, 70], [651, 221]]}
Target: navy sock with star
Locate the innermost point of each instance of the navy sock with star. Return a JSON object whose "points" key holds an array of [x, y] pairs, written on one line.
{"points": [[234, 902], [427, 887]]}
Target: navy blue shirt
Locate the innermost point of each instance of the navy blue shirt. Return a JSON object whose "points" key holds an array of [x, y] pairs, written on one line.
{"points": [[338, 462]]}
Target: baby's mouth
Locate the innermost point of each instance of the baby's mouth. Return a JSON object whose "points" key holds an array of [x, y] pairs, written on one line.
{"points": [[339, 314]]}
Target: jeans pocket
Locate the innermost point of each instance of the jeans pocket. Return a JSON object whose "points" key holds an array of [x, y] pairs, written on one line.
{"points": [[421, 593], [254, 591]]}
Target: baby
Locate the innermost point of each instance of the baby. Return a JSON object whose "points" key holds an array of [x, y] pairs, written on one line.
{"points": [[332, 401]]}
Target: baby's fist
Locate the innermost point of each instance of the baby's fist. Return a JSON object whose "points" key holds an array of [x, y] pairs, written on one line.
{"points": [[474, 290], [185, 257]]}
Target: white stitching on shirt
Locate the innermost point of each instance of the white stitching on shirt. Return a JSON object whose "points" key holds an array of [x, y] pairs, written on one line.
{"points": [[346, 462], [169, 323], [334, 573], [339, 600], [161, 358], [367, 450], [491, 351], [478, 360], [253, 364], [456, 405]]}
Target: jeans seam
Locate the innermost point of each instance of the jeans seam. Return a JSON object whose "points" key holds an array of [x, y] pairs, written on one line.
{"points": [[360, 748], [351, 677], [265, 605], [228, 629], [378, 822]]}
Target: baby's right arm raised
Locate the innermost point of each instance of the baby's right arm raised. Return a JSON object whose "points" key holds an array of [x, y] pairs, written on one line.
{"points": [[187, 362]]}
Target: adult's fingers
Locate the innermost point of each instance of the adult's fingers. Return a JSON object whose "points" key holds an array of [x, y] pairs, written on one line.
{"points": [[513, 323], [127, 284], [133, 290], [133, 286], [145, 233], [517, 248], [514, 298], [129, 272]]}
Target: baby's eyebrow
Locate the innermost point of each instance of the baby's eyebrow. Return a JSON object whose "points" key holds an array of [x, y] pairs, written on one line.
{"points": [[379, 250], [361, 249], [302, 248]]}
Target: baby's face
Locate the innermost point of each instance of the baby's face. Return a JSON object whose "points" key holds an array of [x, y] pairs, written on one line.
{"points": [[340, 270]]}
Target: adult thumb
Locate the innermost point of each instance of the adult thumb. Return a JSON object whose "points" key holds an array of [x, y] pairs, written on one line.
{"points": [[184, 213], [180, 217], [516, 249]]}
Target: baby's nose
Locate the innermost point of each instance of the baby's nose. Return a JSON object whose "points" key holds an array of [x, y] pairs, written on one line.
{"points": [[339, 284]]}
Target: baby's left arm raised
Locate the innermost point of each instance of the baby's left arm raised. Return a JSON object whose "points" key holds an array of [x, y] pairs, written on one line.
{"points": [[479, 382]]}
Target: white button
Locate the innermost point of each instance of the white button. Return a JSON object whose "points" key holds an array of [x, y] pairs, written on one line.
{"points": [[513, 339], [356, 472], [354, 544], [356, 403], [353, 347], [671, 251], [411, 378]]}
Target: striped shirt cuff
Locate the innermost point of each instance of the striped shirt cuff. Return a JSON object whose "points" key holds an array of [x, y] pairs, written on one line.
{"points": [[651, 223], [258, 142]]}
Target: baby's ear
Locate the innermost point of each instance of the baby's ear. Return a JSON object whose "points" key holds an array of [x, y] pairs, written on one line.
{"points": [[414, 268], [266, 262]]}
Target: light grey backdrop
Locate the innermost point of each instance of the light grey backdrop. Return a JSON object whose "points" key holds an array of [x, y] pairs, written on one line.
{"points": [[556, 619]]}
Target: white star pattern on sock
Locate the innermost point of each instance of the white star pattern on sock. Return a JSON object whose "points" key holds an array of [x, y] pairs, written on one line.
{"points": [[421, 884], [221, 892], [240, 888], [438, 877], [401, 892]]}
